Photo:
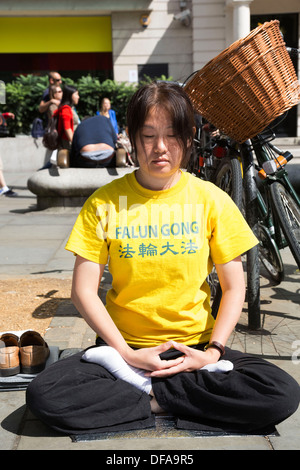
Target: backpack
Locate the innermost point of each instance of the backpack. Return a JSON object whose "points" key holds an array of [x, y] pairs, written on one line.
{"points": [[4, 132], [51, 138], [37, 128]]}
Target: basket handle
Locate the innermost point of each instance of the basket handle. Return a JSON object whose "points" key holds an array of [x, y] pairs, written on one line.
{"points": [[189, 77]]}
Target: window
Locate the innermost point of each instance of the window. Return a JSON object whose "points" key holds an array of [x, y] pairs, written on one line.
{"points": [[153, 71]]}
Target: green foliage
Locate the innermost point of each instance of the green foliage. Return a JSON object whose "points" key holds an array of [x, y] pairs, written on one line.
{"points": [[89, 89], [147, 79], [91, 93], [24, 94], [23, 97]]}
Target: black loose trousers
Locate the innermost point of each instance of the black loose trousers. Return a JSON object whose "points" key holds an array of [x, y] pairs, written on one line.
{"points": [[76, 397]]}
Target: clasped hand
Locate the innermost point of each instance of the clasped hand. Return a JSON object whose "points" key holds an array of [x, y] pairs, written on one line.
{"points": [[192, 359]]}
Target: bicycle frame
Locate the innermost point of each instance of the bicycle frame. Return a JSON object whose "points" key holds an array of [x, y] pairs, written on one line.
{"points": [[279, 175], [210, 150]]}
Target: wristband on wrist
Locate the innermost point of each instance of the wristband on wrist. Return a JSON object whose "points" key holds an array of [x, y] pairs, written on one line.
{"points": [[216, 345]]}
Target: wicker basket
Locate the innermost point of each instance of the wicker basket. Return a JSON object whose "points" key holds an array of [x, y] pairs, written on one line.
{"points": [[248, 85]]}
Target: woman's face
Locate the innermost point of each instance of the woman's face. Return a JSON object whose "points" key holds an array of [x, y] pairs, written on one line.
{"points": [[158, 150], [58, 93], [105, 104], [75, 97]]}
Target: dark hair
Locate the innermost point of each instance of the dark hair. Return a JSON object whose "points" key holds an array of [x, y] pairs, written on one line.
{"points": [[172, 98], [68, 91]]}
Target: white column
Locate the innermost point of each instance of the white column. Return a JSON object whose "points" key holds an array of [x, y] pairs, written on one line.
{"points": [[238, 19]]}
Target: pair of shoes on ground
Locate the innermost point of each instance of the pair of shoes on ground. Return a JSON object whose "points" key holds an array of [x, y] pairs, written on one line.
{"points": [[27, 354]]}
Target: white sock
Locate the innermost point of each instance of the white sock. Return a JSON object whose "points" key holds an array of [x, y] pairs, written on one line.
{"points": [[109, 358], [4, 189], [220, 366]]}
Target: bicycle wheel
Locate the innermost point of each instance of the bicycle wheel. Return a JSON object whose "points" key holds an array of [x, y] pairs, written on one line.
{"points": [[251, 214], [288, 214], [229, 178], [269, 254]]}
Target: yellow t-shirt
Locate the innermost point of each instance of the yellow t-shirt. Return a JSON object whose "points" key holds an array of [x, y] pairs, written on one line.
{"points": [[160, 246]]}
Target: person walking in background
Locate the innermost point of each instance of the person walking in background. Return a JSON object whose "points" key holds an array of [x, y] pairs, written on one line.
{"points": [[4, 189], [106, 111]]}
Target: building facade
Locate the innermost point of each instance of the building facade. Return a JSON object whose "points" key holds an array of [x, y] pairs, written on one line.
{"points": [[127, 39]]}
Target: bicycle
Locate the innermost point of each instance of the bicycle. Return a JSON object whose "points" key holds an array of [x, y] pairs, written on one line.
{"points": [[240, 91], [227, 175], [273, 214], [268, 215], [215, 159], [229, 178], [279, 204]]}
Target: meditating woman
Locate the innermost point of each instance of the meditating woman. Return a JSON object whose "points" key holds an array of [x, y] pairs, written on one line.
{"points": [[158, 347]]}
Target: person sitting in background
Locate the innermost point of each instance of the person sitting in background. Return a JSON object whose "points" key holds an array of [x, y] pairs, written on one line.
{"points": [[109, 113], [7, 116], [4, 131], [76, 118], [55, 94], [93, 143], [70, 98], [46, 101]]}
